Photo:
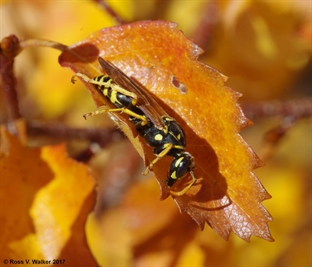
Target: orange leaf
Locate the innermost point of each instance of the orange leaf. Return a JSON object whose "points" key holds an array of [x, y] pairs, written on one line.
{"points": [[45, 199], [23, 173], [227, 194]]}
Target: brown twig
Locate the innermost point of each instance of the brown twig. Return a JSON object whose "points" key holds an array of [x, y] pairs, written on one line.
{"points": [[206, 26], [121, 172], [11, 46], [100, 136], [296, 108], [273, 137], [9, 49], [102, 4], [290, 111]]}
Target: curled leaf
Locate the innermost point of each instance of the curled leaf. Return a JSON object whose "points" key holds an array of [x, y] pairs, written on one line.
{"points": [[227, 194]]}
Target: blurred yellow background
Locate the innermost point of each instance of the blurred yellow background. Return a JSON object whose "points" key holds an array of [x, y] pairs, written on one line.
{"points": [[264, 47]]}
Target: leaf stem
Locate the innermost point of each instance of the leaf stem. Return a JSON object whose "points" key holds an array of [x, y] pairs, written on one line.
{"points": [[42, 43], [10, 47]]}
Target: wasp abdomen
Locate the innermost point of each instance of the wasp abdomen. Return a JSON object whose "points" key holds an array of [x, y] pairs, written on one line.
{"points": [[180, 166]]}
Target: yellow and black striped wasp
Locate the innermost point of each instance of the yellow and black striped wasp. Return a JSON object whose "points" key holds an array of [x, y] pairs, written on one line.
{"points": [[157, 128]]}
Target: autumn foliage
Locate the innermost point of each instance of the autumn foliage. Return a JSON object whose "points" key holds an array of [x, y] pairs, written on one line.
{"points": [[227, 195], [37, 200], [98, 209]]}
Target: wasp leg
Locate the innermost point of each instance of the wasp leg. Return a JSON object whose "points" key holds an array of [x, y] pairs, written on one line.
{"points": [[115, 86], [102, 109], [126, 93], [159, 156], [185, 189]]}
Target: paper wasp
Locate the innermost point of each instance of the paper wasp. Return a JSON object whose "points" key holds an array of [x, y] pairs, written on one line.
{"points": [[157, 128]]}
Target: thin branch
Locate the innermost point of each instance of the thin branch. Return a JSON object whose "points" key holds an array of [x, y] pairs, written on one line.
{"points": [[9, 49], [297, 108], [273, 137], [101, 136], [123, 164], [203, 35], [290, 111], [11, 46], [102, 4]]}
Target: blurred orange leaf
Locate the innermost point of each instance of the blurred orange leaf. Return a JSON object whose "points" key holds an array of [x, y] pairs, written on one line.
{"points": [[20, 168], [159, 231], [227, 194], [46, 196]]}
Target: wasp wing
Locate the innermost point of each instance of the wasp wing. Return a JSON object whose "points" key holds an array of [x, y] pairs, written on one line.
{"points": [[146, 102]]}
